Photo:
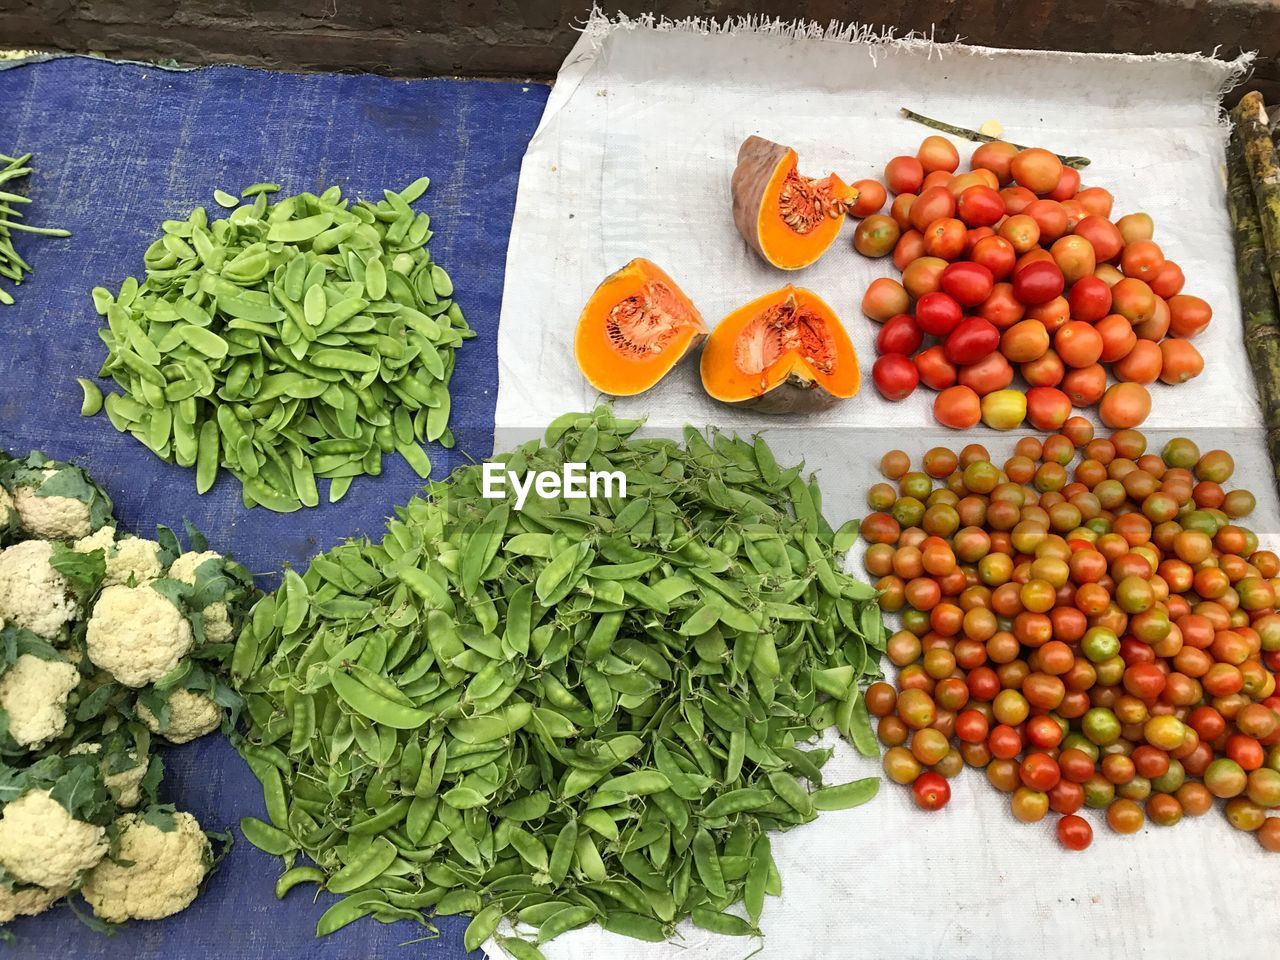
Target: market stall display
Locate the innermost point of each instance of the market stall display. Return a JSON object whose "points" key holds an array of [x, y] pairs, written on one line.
{"points": [[536, 722]]}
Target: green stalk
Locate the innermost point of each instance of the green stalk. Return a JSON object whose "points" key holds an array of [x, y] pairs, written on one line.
{"points": [[967, 134], [1257, 296], [1264, 170]]}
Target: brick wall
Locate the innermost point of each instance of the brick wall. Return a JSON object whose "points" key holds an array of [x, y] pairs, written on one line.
{"points": [[528, 38]]}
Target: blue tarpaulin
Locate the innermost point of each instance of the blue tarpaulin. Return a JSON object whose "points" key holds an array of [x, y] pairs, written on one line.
{"points": [[120, 148]]}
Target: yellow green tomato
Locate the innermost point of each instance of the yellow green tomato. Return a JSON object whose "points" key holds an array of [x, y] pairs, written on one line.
{"points": [[1004, 409]]}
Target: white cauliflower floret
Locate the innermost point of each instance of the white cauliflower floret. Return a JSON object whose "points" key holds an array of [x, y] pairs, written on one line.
{"points": [[41, 843], [217, 620], [102, 540], [34, 693], [136, 634], [27, 901], [129, 558], [192, 714], [8, 512], [133, 558], [51, 518], [125, 787], [165, 876], [32, 593]]}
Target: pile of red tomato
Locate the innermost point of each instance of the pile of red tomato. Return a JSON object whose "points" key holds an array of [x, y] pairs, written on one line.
{"points": [[1013, 269], [1105, 637]]}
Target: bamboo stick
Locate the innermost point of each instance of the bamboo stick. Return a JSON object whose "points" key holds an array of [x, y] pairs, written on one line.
{"points": [[966, 134]]}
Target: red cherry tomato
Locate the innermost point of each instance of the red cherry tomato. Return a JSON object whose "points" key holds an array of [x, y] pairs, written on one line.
{"points": [[967, 282], [931, 791], [1043, 732], [895, 376], [1039, 771], [972, 726], [1076, 765], [899, 335], [938, 313], [971, 340], [1038, 282], [1004, 742], [1074, 832], [1090, 299]]}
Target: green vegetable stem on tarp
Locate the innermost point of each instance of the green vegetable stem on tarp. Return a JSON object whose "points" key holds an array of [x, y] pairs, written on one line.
{"points": [[288, 343], [13, 267], [585, 711]]}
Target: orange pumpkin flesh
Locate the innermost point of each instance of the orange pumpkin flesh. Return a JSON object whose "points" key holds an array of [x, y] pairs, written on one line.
{"points": [[783, 353], [634, 329], [787, 218]]}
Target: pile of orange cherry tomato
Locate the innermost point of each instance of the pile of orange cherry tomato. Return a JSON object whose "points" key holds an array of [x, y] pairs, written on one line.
{"points": [[1103, 636], [1014, 269]]}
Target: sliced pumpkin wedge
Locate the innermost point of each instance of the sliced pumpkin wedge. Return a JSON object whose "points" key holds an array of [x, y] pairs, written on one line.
{"points": [[637, 326], [787, 218], [786, 352]]}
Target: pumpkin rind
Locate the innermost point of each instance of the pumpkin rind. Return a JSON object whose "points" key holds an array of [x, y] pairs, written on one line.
{"points": [[623, 372], [788, 382]]}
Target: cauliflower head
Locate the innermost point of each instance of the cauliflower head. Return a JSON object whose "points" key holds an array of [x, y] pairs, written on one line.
{"points": [[137, 634], [192, 714], [167, 868], [34, 693], [51, 518], [27, 901], [217, 619], [33, 594], [41, 843]]}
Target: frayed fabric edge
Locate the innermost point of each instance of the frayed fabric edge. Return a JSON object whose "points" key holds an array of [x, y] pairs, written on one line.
{"points": [[598, 25]]}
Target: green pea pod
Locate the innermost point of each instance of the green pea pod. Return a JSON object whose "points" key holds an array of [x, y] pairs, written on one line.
{"points": [[789, 789], [267, 838], [753, 892], [481, 927], [292, 877], [736, 801], [369, 864], [376, 707], [520, 949], [348, 910], [845, 795], [708, 862], [638, 784], [494, 726], [725, 924], [855, 725], [92, 399], [562, 852]]}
